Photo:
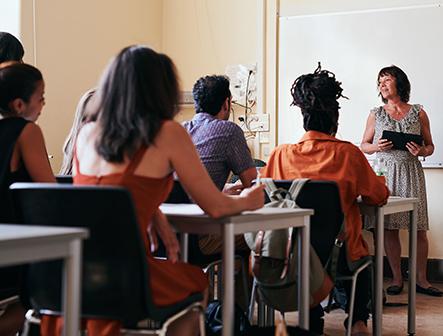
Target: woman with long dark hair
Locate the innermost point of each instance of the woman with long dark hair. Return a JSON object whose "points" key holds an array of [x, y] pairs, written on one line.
{"points": [[135, 143]]}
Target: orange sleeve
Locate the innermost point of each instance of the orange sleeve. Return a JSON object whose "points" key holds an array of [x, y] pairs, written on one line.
{"points": [[272, 166]]}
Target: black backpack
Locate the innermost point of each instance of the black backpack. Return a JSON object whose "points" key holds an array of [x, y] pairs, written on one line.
{"points": [[214, 322]]}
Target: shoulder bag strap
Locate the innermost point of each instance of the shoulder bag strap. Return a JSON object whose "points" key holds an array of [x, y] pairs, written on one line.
{"points": [[296, 187], [271, 189]]}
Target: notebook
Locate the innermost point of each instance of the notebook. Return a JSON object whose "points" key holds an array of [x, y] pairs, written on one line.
{"points": [[400, 139]]}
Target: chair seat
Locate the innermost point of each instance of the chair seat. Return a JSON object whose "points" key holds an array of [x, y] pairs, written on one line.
{"points": [[161, 314]]}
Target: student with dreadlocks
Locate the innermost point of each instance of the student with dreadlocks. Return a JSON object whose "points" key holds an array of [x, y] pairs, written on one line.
{"points": [[321, 156]]}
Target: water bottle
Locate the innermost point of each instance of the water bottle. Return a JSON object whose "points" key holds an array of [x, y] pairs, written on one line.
{"points": [[380, 167]]}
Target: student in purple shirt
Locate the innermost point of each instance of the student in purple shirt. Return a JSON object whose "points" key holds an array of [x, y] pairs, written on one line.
{"points": [[220, 143]]}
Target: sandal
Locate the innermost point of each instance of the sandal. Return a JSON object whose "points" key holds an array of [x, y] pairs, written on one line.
{"points": [[395, 290]]}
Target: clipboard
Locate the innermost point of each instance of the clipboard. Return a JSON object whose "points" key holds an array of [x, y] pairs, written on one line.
{"points": [[400, 139]]}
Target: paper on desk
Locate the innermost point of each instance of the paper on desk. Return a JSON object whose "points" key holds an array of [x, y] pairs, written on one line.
{"points": [[181, 209], [267, 211], [195, 210]]}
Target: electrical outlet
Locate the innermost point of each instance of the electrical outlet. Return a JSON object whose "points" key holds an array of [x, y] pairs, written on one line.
{"points": [[258, 122], [186, 98]]}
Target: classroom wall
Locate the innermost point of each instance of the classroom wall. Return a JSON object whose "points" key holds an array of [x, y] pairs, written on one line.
{"points": [[434, 177], [203, 37], [74, 40]]}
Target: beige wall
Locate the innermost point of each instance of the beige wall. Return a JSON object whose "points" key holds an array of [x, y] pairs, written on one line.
{"points": [[434, 177], [203, 37], [74, 40]]}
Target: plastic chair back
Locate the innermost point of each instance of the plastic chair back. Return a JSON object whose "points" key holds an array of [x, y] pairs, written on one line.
{"points": [[324, 198], [115, 273]]}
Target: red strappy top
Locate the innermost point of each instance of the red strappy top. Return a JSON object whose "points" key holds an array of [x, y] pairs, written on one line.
{"points": [[170, 282]]}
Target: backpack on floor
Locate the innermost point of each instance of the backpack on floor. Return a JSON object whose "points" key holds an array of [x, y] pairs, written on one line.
{"points": [[214, 321]]}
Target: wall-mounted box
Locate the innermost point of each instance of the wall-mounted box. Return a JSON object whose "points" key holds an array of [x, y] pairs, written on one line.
{"points": [[186, 98]]}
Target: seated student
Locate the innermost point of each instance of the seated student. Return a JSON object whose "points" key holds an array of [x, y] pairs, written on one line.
{"points": [[11, 50], [23, 158], [135, 143], [321, 156], [220, 144], [81, 117]]}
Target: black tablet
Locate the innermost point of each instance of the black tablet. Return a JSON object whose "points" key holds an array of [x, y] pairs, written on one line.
{"points": [[400, 139]]}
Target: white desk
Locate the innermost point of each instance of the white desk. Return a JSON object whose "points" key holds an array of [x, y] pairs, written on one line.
{"points": [[21, 244], [189, 218], [394, 205]]}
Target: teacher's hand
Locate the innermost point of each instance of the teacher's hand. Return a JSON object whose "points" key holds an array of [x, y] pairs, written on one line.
{"points": [[384, 145], [413, 148]]}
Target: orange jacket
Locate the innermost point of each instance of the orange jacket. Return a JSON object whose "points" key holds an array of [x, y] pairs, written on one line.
{"points": [[319, 156]]}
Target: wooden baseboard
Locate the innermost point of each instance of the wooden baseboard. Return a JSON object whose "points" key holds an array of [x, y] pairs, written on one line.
{"points": [[435, 269]]}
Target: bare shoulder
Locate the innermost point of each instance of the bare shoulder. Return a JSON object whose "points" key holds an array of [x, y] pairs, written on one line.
{"points": [[422, 113], [171, 126], [31, 132], [171, 130]]}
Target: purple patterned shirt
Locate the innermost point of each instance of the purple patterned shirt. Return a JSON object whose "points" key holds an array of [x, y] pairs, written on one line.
{"points": [[221, 145]]}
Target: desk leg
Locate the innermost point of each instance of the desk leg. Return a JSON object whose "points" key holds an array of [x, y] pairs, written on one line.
{"points": [[303, 235], [228, 279], [184, 246], [72, 288], [412, 271], [378, 306]]}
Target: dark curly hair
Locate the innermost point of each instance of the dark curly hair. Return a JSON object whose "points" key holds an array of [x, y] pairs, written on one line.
{"points": [[138, 91], [316, 94], [210, 92], [10, 48], [401, 81]]}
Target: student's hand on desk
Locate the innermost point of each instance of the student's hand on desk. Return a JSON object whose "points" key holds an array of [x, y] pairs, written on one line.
{"points": [[254, 196], [233, 188], [161, 227]]}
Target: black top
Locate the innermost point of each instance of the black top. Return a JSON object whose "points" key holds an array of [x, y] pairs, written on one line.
{"points": [[10, 130]]}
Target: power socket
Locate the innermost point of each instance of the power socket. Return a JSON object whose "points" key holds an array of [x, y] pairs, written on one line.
{"points": [[186, 98], [258, 122]]}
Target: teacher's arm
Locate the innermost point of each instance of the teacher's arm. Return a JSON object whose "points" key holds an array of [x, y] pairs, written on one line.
{"points": [[428, 146], [367, 145]]}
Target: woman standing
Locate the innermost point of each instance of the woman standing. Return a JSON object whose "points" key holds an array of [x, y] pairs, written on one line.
{"points": [[404, 173]]}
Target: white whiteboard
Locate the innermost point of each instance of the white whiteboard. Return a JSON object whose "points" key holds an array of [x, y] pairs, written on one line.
{"points": [[355, 46]]}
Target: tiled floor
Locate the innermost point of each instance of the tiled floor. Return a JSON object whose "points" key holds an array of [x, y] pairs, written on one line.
{"points": [[429, 318]]}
